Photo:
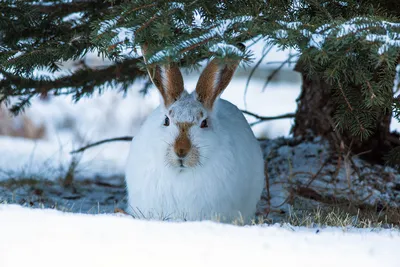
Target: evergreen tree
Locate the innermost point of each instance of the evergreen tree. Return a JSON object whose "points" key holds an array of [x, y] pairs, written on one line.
{"points": [[349, 51]]}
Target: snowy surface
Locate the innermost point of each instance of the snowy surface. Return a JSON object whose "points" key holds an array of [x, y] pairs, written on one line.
{"points": [[47, 237], [90, 196]]}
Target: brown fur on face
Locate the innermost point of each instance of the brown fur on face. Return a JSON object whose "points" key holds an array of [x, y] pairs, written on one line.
{"points": [[182, 143]]}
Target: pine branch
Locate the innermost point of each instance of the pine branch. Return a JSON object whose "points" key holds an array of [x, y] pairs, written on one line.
{"points": [[75, 6], [83, 81]]}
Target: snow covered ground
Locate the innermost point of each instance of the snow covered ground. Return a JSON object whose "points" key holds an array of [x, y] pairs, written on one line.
{"points": [[52, 238]]}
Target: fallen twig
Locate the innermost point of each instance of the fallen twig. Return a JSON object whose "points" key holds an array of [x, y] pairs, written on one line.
{"points": [[124, 138], [129, 138], [263, 118]]}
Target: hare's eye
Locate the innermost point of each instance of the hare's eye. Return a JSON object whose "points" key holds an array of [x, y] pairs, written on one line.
{"points": [[166, 121], [204, 124]]}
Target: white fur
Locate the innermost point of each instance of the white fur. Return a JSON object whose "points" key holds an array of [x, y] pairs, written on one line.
{"points": [[228, 180]]}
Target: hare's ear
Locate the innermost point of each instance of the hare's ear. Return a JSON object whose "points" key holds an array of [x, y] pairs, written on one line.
{"points": [[213, 81], [168, 79]]}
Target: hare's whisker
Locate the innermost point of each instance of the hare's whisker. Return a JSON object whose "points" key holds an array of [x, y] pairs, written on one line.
{"points": [[166, 142], [204, 157], [166, 163]]}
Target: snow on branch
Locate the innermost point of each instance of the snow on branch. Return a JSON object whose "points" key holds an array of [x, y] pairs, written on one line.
{"points": [[215, 32], [384, 32], [374, 30]]}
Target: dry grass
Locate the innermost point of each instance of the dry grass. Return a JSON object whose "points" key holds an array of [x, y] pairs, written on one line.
{"points": [[20, 126], [342, 218], [320, 217]]}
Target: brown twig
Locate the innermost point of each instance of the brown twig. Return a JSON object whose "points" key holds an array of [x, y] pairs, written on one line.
{"points": [[252, 73], [136, 9], [345, 97], [267, 185], [263, 118], [276, 71], [124, 138], [315, 175], [197, 44], [155, 16], [129, 138]]}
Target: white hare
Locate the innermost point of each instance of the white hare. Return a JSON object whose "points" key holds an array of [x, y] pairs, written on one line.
{"points": [[195, 157]]}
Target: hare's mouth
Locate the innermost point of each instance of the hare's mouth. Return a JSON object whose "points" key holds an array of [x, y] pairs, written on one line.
{"points": [[190, 160], [181, 165]]}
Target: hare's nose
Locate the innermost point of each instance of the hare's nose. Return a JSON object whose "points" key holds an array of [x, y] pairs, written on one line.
{"points": [[181, 152], [182, 147], [182, 144]]}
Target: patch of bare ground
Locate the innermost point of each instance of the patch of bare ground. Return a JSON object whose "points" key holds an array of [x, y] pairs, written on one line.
{"points": [[306, 179]]}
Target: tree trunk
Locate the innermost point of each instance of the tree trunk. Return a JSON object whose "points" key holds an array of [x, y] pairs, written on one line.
{"points": [[315, 113]]}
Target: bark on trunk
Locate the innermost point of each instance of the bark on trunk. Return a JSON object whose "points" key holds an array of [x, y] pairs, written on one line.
{"points": [[315, 113]]}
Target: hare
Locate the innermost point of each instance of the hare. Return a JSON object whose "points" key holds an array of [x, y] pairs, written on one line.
{"points": [[195, 157]]}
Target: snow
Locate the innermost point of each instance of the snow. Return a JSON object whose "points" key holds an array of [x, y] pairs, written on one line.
{"points": [[33, 237], [358, 26]]}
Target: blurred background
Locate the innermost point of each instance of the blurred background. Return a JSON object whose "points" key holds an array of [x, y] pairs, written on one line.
{"points": [[39, 140]]}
